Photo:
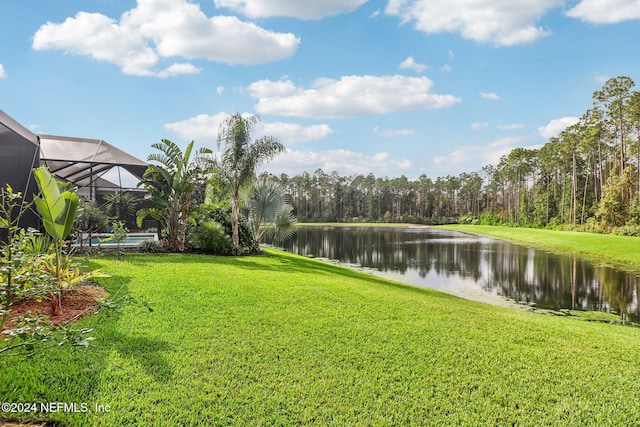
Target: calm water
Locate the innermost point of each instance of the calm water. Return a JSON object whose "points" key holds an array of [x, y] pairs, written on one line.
{"points": [[477, 268]]}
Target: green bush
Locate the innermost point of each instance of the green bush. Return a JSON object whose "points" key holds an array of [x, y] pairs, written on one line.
{"points": [[592, 225], [220, 213], [627, 230], [150, 246], [210, 237]]}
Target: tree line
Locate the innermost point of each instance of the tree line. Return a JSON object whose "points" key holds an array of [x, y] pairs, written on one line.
{"points": [[585, 178]]}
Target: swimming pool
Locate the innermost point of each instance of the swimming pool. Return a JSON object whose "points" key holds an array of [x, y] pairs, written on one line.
{"points": [[105, 239]]}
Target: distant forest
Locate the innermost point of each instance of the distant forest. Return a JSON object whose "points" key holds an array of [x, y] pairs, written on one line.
{"points": [[586, 178]]}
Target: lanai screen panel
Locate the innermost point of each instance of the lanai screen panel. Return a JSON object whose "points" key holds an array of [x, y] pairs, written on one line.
{"points": [[83, 161], [19, 154]]}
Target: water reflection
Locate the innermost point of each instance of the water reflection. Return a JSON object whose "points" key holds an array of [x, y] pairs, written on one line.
{"points": [[475, 267]]}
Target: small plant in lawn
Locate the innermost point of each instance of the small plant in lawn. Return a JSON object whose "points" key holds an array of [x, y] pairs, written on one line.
{"points": [[119, 235]]}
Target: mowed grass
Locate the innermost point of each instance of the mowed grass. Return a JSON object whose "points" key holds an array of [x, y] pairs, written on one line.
{"points": [[621, 250], [283, 340]]}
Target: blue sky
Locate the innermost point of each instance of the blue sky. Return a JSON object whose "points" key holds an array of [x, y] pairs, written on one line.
{"points": [[385, 86]]}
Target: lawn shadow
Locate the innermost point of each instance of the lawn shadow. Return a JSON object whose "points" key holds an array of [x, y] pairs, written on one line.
{"points": [[143, 350], [148, 353], [295, 264], [281, 262]]}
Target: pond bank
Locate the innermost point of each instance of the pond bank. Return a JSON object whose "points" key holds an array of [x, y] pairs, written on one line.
{"points": [[621, 251], [549, 272]]}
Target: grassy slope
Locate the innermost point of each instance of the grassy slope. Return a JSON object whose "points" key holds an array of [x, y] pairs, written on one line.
{"points": [[622, 250], [283, 340]]}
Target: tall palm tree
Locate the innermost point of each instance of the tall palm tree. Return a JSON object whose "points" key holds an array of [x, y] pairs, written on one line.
{"points": [[171, 184], [241, 158]]}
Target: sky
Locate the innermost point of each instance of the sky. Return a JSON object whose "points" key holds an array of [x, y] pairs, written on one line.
{"points": [[391, 87]]}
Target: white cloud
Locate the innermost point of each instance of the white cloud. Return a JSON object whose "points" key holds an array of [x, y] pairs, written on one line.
{"points": [[303, 9], [100, 37], [499, 22], [159, 29], [493, 151], [351, 96], [605, 11], [201, 128], [464, 158], [389, 133], [269, 89], [479, 126], [204, 128], [600, 78], [3, 73], [219, 90], [411, 64], [446, 68], [512, 126], [291, 133], [345, 162], [554, 127], [490, 96], [177, 69], [458, 156]]}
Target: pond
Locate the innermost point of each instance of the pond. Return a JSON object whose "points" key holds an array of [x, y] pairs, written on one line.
{"points": [[477, 268]]}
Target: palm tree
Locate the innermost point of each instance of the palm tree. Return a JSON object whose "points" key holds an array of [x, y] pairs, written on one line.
{"points": [[121, 205], [171, 184], [241, 158], [269, 213]]}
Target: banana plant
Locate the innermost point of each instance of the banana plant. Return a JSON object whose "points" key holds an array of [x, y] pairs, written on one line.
{"points": [[57, 205]]}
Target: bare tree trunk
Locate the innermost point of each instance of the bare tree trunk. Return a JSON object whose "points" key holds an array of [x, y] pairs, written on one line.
{"points": [[584, 197], [574, 188], [235, 218]]}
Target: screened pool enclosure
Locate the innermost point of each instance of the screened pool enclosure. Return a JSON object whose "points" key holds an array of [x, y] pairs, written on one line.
{"points": [[95, 167]]}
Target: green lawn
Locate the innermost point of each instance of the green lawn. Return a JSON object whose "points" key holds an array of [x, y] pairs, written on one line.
{"points": [[621, 250], [284, 340]]}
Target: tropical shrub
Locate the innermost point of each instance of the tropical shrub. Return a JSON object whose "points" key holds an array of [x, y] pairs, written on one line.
{"points": [[91, 219], [57, 205], [210, 237], [150, 246], [171, 183], [221, 213], [267, 211], [121, 205]]}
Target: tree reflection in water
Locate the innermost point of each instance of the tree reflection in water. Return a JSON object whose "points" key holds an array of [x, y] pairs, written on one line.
{"points": [[469, 266]]}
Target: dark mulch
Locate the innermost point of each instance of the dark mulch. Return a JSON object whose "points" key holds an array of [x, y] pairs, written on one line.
{"points": [[77, 303]]}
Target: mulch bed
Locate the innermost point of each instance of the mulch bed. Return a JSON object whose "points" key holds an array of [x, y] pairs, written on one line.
{"points": [[77, 303]]}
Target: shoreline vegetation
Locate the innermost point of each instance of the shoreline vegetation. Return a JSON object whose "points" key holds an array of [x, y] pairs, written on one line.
{"points": [[281, 339]]}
